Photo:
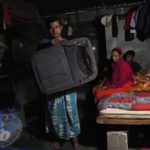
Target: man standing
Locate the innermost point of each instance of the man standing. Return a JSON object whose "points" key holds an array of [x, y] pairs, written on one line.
{"points": [[62, 114]]}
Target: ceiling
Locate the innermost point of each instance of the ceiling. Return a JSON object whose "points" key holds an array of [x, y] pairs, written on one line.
{"points": [[51, 7]]}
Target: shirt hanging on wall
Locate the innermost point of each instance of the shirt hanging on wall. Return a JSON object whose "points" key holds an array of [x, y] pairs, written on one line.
{"points": [[129, 36], [106, 20], [114, 26]]}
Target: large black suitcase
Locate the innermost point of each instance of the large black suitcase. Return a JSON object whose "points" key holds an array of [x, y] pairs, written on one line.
{"points": [[64, 66]]}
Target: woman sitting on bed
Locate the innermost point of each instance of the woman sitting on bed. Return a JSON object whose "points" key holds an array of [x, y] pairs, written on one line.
{"points": [[121, 78]]}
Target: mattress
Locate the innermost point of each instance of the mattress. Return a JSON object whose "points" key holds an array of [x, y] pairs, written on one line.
{"points": [[131, 108], [119, 113]]}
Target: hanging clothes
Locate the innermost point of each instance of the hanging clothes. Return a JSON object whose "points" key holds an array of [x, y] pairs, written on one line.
{"points": [[6, 15], [106, 20], [128, 20], [1, 19], [147, 24], [141, 21], [133, 23], [114, 26], [128, 35], [137, 12]]}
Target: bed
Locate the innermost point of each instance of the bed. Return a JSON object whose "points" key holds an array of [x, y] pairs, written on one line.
{"points": [[133, 105], [132, 108], [125, 108]]}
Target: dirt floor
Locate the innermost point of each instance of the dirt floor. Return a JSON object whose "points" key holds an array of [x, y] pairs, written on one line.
{"points": [[92, 136]]}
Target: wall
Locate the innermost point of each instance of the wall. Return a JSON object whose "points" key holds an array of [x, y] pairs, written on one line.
{"points": [[87, 24], [142, 49]]}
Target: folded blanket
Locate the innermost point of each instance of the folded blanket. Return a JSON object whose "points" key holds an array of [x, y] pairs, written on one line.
{"points": [[106, 92]]}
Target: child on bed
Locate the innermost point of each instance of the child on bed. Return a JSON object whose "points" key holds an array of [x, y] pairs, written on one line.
{"points": [[129, 57]]}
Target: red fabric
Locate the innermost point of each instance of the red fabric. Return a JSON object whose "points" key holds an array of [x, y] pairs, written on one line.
{"points": [[140, 106], [142, 94], [6, 16], [128, 20], [94, 90], [126, 101], [121, 99], [141, 82], [106, 92]]}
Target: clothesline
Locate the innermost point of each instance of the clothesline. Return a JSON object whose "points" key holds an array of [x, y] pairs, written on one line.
{"points": [[107, 9], [121, 3]]}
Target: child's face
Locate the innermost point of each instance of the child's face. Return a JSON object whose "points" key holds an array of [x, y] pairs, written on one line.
{"points": [[129, 59]]}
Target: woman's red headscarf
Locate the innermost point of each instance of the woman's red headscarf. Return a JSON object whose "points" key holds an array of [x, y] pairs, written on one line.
{"points": [[120, 50]]}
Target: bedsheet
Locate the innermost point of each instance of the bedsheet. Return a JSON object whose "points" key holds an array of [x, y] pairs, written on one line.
{"points": [[138, 101]]}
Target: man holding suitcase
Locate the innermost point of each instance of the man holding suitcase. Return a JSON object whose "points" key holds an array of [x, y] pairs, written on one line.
{"points": [[62, 114]]}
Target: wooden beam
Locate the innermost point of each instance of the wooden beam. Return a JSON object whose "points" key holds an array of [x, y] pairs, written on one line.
{"points": [[122, 121]]}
